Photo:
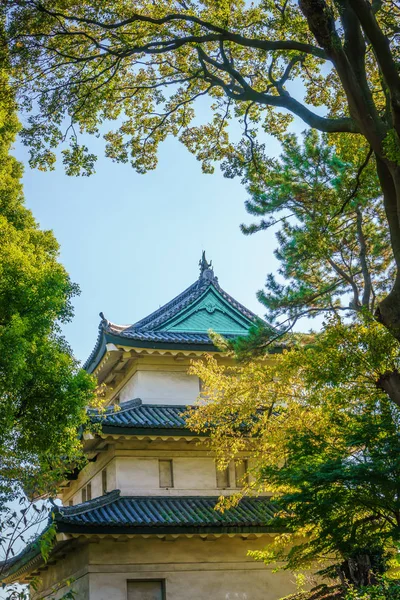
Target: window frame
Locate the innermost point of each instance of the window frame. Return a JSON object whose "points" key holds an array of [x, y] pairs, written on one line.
{"points": [[86, 492], [104, 487], [244, 480], [171, 463], [218, 473], [162, 581]]}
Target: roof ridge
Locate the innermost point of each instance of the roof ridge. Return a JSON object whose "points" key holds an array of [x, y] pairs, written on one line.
{"points": [[180, 511], [134, 403], [80, 509], [167, 405], [147, 417], [250, 315], [197, 286], [149, 329], [131, 405], [111, 410], [171, 309], [97, 345]]}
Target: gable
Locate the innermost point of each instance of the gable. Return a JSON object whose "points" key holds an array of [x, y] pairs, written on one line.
{"points": [[209, 311]]}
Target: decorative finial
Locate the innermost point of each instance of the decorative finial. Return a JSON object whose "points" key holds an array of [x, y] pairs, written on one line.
{"points": [[206, 270], [104, 322], [203, 264]]}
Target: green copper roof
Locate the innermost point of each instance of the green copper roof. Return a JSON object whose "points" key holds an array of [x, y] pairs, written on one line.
{"points": [[210, 311], [182, 323]]}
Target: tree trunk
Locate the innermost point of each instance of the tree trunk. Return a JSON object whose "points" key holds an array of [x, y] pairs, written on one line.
{"points": [[388, 311], [359, 570], [346, 59], [389, 382]]}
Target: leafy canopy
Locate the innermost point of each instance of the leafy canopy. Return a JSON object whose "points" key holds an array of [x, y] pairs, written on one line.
{"points": [[321, 438], [145, 64], [43, 393], [138, 69], [333, 241], [384, 589]]}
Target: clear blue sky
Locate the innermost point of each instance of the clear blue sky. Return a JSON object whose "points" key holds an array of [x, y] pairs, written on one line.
{"points": [[132, 242]]}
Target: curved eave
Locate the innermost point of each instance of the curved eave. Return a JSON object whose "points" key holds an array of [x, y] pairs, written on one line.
{"points": [[31, 559], [142, 530], [105, 338], [150, 431], [97, 353], [132, 342], [25, 564]]}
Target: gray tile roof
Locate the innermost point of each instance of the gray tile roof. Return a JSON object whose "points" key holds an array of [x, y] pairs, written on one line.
{"points": [[137, 513], [113, 513], [165, 336], [133, 414]]}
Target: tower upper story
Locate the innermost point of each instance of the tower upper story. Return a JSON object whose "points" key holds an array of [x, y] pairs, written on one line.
{"points": [[149, 359], [143, 447]]}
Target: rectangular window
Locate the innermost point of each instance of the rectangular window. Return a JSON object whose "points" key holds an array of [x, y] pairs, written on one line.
{"points": [[146, 590], [241, 475], [104, 481], [223, 479], [166, 473], [87, 492]]}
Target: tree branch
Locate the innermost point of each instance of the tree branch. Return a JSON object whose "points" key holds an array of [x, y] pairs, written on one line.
{"points": [[247, 93], [358, 182], [223, 33], [350, 281], [383, 53], [363, 260]]}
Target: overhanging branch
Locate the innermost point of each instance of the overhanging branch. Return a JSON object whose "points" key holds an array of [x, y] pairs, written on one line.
{"points": [[245, 93], [223, 34]]}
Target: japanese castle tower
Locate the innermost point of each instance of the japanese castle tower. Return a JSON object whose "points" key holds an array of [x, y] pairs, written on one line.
{"points": [[138, 521]]}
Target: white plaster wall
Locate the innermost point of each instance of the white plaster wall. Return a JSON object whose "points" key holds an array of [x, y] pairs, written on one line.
{"points": [[213, 569], [136, 474], [235, 583], [161, 387], [112, 476], [192, 476], [92, 473], [96, 482], [132, 466], [194, 473], [191, 568]]}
